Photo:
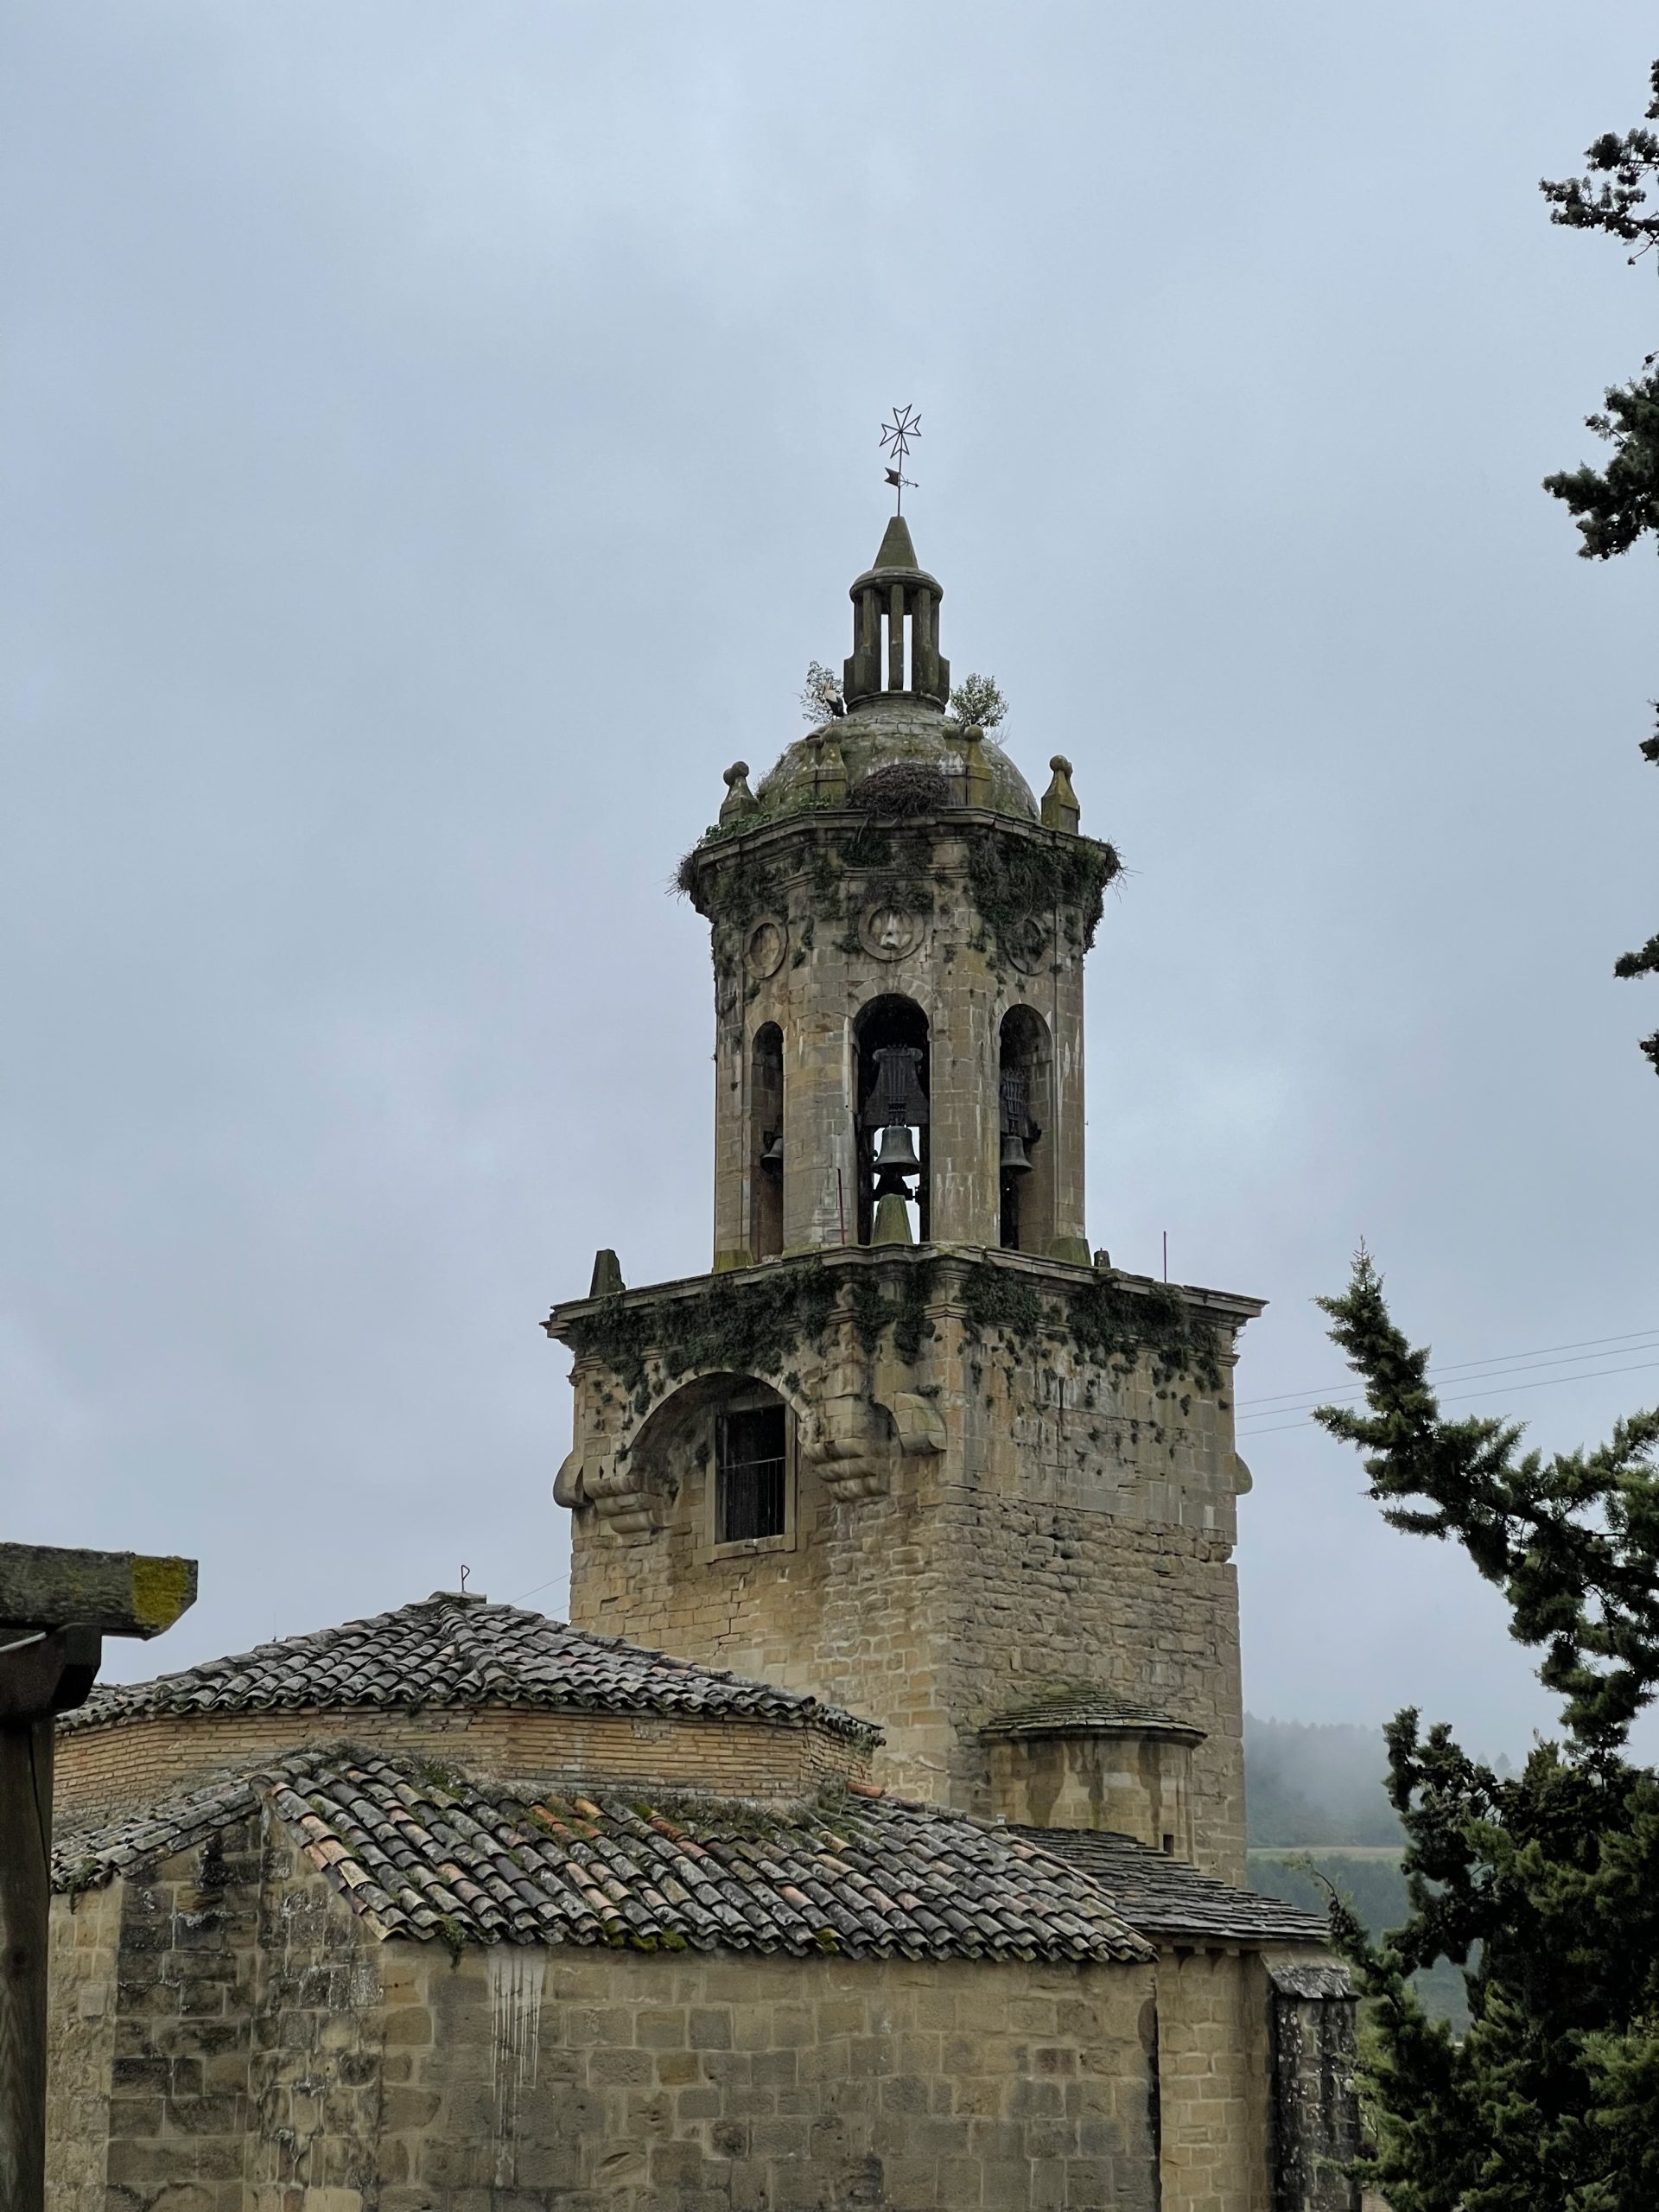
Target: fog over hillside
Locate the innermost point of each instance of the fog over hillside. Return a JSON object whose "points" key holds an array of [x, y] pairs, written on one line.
{"points": [[1320, 1782]]}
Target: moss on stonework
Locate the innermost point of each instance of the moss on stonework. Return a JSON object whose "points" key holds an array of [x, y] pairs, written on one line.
{"points": [[747, 1326], [1112, 1326], [874, 1313], [754, 1323], [737, 892], [1016, 881], [911, 1327], [736, 889], [1100, 1320], [992, 1298]]}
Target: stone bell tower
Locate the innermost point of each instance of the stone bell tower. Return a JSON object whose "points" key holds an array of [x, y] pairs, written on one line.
{"points": [[908, 1446]]}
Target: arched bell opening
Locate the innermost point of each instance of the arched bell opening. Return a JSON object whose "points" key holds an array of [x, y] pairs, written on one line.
{"points": [[766, 1141], [1025, 1157], [891, 1120]]}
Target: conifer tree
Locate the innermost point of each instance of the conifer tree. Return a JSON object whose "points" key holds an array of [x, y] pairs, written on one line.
{"points": [[1619, 505], [1544, 1884]]}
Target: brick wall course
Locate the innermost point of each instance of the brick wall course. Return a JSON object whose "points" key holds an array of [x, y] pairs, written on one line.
{"points": [[130, 1761]]}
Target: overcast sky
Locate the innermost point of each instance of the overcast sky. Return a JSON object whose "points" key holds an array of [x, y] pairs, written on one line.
{"points": [[435, 438]]}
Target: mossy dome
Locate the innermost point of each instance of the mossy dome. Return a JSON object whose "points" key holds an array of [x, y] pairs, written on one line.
{"points": [[896, 729], [896, 686]]}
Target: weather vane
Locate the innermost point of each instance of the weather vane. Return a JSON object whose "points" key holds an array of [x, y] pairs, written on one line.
{"points": [[896, 435]]}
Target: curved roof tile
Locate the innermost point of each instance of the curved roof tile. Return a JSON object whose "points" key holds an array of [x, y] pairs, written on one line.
{"points": [[419, 1853], [450, 1651]]}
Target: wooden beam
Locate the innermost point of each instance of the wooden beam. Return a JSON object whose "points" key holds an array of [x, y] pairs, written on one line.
{"points": [[55, 1606], [25, 1899], [116, 1593]]}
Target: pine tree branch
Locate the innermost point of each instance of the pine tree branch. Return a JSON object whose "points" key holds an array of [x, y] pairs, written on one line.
{"points": [[1571, 1539]]}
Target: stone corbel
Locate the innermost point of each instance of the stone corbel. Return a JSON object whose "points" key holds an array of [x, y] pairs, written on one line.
{"points": [[844, 1441], [919, 1421], [617, 1493]]}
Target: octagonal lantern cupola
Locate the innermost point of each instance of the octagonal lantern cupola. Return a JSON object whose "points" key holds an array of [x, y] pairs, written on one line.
{"points": [[896, 627], [897, 929]]}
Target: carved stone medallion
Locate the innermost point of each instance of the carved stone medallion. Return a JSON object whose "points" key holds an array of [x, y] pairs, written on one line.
{"points": [[768, 942], [888, 932], [1026, 944]]}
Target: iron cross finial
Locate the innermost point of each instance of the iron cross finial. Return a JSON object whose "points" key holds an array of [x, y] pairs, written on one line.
{"points": [[896, 437]]}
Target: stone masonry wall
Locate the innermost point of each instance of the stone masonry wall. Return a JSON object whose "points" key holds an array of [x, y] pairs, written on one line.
{"points": [[853, 1610], [130, 1761], [1214, 2079], [829, 925], [85, 1933], [1076, 1526], [183, 2004], [269, 2056]]}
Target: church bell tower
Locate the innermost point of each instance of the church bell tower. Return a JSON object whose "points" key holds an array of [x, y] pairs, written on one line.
{"points": [[909, 1446]]}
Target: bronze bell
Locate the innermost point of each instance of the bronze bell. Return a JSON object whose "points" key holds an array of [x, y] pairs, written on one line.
{"points": [[896, 1153], [771, 1155], [1014, 1161]]}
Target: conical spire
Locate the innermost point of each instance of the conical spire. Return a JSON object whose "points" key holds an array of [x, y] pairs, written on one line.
{"points": [[897, 551]]}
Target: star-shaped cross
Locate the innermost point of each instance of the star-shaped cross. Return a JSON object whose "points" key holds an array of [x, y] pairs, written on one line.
{"points": [[896, 437]]}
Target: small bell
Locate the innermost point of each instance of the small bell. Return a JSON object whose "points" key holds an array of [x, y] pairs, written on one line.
{"points": [[1014, 1161], [772, 1157], [896, 1153]]}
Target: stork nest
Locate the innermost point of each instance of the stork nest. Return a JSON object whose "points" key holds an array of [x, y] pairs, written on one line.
{"points": [[902, 791]]}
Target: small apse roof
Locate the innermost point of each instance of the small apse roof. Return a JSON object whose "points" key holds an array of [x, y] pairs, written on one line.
{"points": [[454, 1650]]}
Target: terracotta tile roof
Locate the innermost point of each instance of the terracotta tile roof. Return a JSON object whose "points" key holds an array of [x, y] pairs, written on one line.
{"points": [[1090, 1712], [447, 1650], [1164, 1896], [421, 1853]]}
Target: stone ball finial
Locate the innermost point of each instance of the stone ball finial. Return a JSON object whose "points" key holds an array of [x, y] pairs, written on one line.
{"points": [[739, 799], [1059, 800]]}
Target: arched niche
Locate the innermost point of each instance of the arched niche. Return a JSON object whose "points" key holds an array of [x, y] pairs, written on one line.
{"points": [[721, 1454], [767, 1156], [890, 1039], [1024, 1097]]}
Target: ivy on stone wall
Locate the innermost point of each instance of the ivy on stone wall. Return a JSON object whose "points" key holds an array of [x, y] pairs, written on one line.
{"points": [[735, 1323], [1015, 880], [747, 1323], [874, 1313], [1099, 1319], [1114, 1325], [1017, 883]]}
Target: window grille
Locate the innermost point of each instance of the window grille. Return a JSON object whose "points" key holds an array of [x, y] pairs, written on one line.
{"points": [[749, 1455]]}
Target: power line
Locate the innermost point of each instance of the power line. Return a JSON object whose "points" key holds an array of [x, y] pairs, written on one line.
{"points": [[1498, 1374], [1279, 1398], [540, 1586], [1641, 1367]]}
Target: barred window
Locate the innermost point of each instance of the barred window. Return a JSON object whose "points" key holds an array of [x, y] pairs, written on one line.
{"points": [[749, 1453]]}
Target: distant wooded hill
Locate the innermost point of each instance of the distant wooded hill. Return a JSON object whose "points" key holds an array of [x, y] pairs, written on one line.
{"points": [[1318, 1814], [1311, 1783]]}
